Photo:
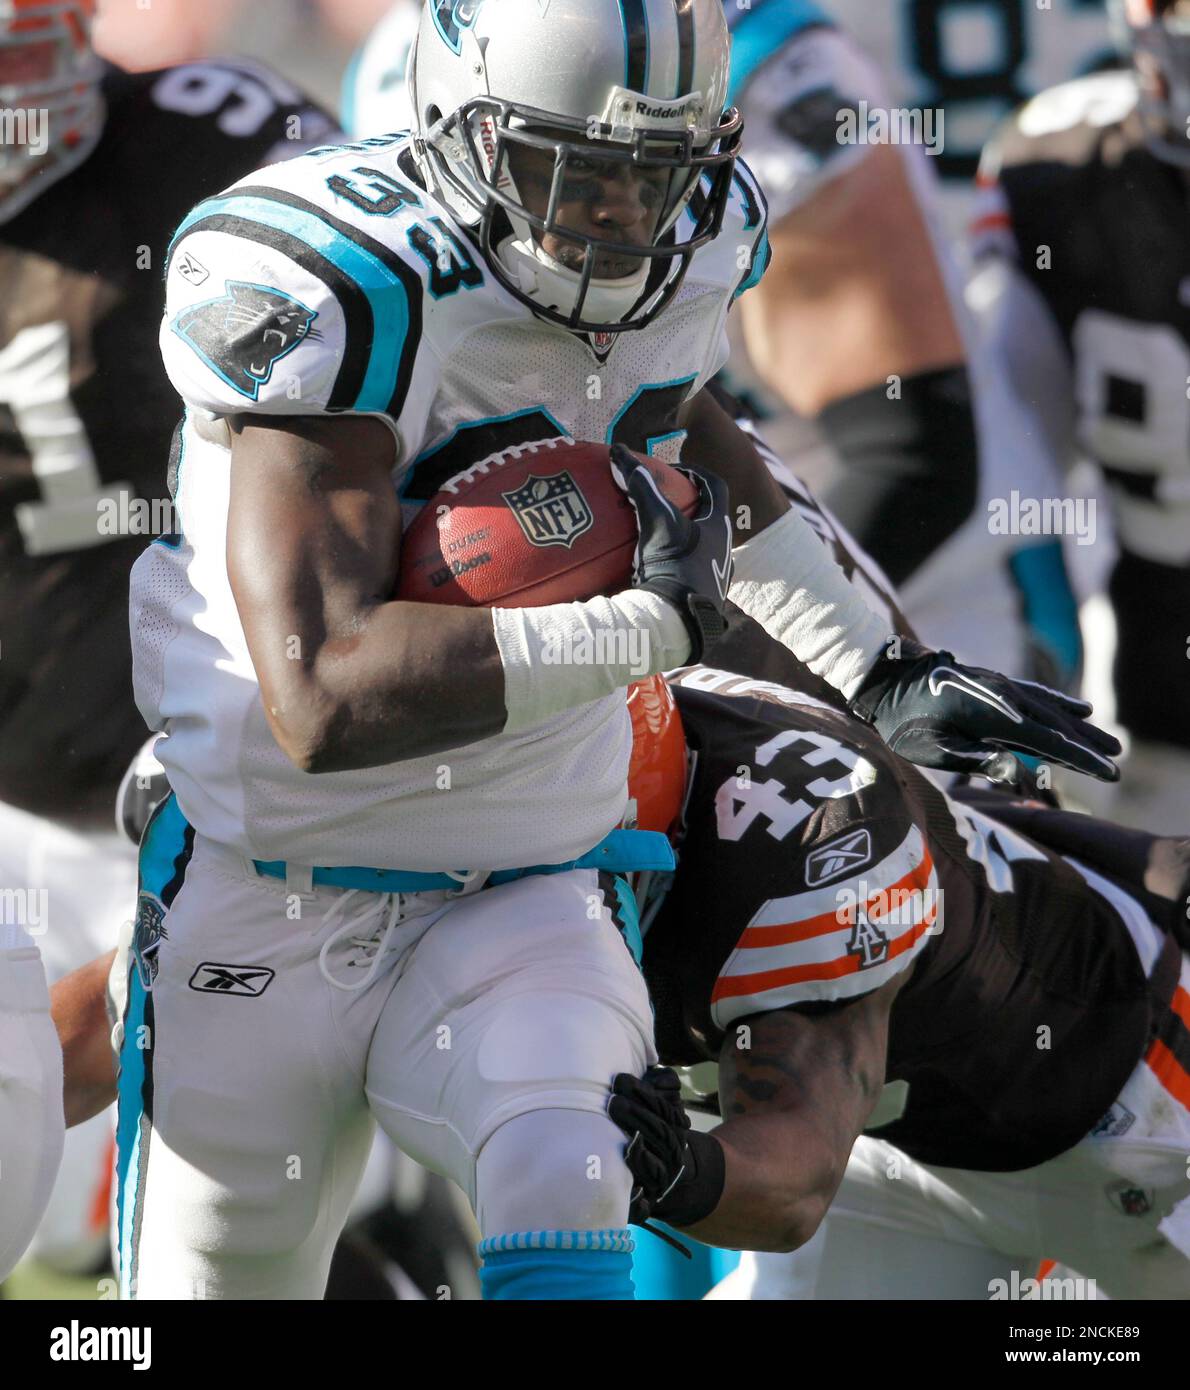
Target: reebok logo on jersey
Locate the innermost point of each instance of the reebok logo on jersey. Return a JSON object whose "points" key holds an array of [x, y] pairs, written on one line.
{"points": [[244, 333], [848, 852], [192, 270], [551, 511], [1118, 1120], [214, 978]]}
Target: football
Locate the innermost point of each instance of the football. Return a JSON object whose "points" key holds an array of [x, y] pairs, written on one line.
{"points": [[535, 524]]}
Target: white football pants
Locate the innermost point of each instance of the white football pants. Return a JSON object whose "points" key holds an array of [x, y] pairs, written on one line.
{"points": [[249, 1081]]}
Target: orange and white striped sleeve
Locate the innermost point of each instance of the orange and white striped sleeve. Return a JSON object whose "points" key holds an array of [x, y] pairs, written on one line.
{"points": [[835, 941]]}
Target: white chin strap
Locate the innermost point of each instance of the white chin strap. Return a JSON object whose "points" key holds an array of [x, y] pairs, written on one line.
{"points": [[557, 287]]}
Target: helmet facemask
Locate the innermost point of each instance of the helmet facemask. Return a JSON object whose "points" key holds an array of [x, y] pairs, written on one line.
{"points": [[473, 153], [1159, 34], [50, 77]]}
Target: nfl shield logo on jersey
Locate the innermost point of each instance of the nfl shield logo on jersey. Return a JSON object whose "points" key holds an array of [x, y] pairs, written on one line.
{"points": [[147, 936], [244, 333], [551, 511]]}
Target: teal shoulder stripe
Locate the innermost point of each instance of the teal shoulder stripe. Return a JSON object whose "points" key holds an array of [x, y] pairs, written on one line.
{"points": [[761, 30], [761, 257], [382, 287]]}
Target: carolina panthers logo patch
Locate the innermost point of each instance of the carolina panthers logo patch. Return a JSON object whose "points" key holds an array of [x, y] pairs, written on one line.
{"points": [[244, 333], [147, 935], [453, 16]]}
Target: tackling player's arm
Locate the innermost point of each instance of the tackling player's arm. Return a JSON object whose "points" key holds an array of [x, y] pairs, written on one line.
{"points": [[786, 579], [715, 442], [797, 1088]]}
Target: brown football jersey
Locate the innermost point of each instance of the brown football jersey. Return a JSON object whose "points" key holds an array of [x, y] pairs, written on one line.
{"points": [[1100, 227], [815, 866], [87, 413]]}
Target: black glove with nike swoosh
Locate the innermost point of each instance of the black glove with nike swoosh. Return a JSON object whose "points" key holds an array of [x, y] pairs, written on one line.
{"points": [[934, 711], [678, 1172], [686, 562]]}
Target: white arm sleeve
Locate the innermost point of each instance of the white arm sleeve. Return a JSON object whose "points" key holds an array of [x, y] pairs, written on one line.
{"points": [[568, 654], [788, 581]]}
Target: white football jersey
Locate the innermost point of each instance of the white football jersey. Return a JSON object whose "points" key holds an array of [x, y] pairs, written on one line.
{"points": [[336, 283]]}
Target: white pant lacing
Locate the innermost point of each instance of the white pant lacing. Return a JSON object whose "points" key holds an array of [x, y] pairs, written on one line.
{"points": [[384, 912]]}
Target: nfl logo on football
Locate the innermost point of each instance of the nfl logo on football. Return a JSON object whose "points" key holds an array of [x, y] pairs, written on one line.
{"points": [[551, 511]]}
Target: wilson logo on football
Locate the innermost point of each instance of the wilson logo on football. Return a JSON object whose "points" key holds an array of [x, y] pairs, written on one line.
{"points": [[551, 511]]}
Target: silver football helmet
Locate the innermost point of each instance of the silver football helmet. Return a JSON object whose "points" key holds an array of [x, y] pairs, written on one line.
{"points": [[589, 85], [1158, 36]]}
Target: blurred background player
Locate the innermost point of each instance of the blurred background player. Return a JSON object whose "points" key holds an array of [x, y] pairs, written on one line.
{"points": [[977, 60], [1083, 230], [86, 418], [375, 97], [862, 360]]}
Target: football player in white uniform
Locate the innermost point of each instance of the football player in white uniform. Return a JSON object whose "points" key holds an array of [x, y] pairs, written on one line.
{"points": [[553, 253]]}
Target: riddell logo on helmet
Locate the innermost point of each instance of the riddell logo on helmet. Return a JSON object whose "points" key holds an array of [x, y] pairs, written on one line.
{"points": [[626, 108], [487, 136], [667, 109]]}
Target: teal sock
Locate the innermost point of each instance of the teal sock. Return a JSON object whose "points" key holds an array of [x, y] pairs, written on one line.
{"points": [[532, 1266]]}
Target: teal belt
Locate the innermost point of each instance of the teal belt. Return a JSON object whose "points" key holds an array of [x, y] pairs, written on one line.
{"points": [[621, 852]]}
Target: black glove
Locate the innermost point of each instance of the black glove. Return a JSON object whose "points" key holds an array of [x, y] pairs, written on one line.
{"points": [[686, 562], [935, 712], [679, 1172]]}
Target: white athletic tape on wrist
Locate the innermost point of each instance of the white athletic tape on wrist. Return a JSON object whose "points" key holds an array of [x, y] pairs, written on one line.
{"points": [[788, 581], [568, 654]]}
